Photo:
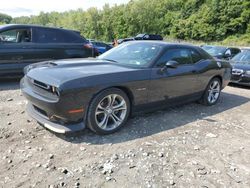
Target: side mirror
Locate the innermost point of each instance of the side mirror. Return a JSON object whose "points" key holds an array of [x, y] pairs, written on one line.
{"points": [[170, 64]]}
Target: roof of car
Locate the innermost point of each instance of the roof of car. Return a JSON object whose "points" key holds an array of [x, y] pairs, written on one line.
{"points": [[12, 26], [163, 43]]}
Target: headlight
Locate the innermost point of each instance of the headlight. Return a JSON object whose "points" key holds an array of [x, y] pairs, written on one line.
{"points": [[248, 72]]}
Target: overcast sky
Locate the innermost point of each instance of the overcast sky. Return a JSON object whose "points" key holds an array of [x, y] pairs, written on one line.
{"points": [[17, 8]]}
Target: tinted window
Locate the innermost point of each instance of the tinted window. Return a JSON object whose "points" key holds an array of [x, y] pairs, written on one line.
{"points": [[44, 35], [47, 35], [182, 56], [15, 36]]}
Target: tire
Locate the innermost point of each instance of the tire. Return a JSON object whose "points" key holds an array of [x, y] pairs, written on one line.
{"points": [[108, 111], [212, 92]]}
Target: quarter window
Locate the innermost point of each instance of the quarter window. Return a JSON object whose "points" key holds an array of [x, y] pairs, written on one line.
{"points": [[196, 57]]}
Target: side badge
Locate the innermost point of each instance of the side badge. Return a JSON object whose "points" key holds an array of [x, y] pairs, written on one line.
{"points": [[219, 64]]}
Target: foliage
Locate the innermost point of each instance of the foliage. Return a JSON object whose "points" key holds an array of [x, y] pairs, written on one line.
{"points": [[202, 20], [5, 19]]}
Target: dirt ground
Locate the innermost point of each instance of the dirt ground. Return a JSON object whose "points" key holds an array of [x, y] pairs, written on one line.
{"points": [[185, 146]]}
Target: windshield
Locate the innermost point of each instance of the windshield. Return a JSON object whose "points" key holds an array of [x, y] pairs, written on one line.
{"points": [[243, 57], [216, 50], [136, 54]]}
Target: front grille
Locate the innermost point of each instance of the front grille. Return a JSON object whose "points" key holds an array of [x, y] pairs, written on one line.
{"points": [[39, 110], [236, 77]]}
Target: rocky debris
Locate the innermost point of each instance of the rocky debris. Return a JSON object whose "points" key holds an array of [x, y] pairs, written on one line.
{"points": [[10, 99], [161, 154], [196, 148], [108, 178], [64, 170], [9, 161], [107, 168], [77, 184], [235, 177], [51, 156], [171, 182], [114, 157], [202, 170], [21, 131], [211, 135], [82, 148]]}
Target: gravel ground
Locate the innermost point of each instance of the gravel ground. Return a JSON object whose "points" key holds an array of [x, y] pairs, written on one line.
{"points": [[185, 146]]}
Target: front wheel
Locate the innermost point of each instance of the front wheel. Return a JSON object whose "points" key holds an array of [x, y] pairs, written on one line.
{"points": [[212, 92], [108, 111]]}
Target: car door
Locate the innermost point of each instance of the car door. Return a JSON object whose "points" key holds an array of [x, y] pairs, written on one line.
{"points": [[173, 83], [13, 50]]}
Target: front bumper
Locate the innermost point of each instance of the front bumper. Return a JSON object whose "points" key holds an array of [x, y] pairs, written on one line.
{"points": [[241, 80], [53, 112], [55, 127]]}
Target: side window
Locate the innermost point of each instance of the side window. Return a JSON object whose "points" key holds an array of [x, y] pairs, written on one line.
{"points": [[16, 36], [182, 56], [44, 35], [196, 57]]}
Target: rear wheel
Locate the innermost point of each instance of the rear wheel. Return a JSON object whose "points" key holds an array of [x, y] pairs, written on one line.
{"points": [[212, 92], [108, 111]]}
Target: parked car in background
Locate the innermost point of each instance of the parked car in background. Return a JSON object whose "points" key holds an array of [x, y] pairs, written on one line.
{"points": [[221, 52], [148, 37], [101, 46], [141, 37], [21, 45], [120, 41], [241, 68], [244, 49], [68, 95]]}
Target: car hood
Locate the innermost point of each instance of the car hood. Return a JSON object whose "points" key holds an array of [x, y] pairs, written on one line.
{"points": [[241, 65], [57, 72]]}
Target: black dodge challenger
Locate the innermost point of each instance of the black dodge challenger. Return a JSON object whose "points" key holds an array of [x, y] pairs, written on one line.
{"points": [[68, 95]]}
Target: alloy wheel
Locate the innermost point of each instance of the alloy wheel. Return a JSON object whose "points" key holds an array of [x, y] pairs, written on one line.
{"points": [[110, 112], [214, 91]]}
